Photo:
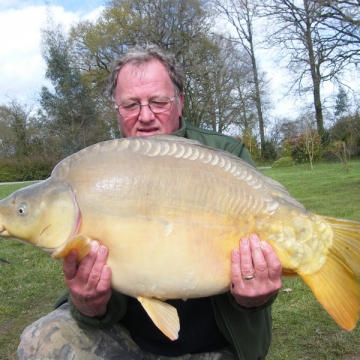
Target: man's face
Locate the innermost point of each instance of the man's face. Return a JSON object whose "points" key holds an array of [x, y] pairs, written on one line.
{"points": [[142, 84]]}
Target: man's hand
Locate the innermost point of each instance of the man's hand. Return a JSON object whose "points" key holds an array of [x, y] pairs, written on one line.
{"points": [[255, 272], [89, 281]]}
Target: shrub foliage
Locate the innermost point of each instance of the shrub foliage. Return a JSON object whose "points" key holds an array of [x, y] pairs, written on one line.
{"points": [[26, 169], [283, 162]]}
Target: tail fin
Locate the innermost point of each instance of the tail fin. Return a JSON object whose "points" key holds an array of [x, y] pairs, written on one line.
{"points": [[336, 284]]}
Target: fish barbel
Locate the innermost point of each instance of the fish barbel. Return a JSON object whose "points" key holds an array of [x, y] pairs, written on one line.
{"points": [[170, 211]]}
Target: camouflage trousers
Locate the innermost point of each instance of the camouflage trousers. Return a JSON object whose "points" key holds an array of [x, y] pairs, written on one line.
{"points": [[57, 336]]}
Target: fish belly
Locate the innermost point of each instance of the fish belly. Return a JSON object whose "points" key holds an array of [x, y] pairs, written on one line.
{"points": [[168, 258]]}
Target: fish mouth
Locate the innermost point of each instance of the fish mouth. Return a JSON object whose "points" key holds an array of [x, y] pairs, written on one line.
{"points": [[3, 231]]}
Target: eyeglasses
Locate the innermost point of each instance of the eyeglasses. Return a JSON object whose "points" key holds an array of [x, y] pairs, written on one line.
{"points": [[130, 109]]}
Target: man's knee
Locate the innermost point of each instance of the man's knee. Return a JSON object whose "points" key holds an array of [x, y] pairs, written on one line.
{"points": [[51, 337], [58, 336]]}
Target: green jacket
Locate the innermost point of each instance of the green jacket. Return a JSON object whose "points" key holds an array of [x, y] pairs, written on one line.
{"points": [[215, 140], [249, 330]]}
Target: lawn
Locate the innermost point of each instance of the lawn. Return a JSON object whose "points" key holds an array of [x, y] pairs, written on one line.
{"points": [[31, 281]]}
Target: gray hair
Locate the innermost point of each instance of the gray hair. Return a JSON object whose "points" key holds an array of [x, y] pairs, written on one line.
{"points": [[139, 55]]}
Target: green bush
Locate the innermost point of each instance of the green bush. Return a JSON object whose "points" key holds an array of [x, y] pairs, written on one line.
{"points": [[283, 162], [27, 169]]}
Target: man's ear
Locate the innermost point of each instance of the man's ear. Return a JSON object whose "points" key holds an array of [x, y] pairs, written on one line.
{"points": [[180, 103]]}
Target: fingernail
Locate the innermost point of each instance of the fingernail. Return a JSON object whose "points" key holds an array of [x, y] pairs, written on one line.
{"points": [[94, 244], [255, 241], [72, 254], [263, 244], [102, 250], [245, 242]]}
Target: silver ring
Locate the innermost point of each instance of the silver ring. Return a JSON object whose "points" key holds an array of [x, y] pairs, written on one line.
{"points": [[248, 277]]}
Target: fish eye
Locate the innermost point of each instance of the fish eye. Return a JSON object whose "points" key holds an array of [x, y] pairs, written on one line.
{"points": [[22, 209]]}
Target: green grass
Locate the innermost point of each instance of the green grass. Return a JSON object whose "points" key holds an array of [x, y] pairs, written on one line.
{"points": [[326, 190], [32, 281]]}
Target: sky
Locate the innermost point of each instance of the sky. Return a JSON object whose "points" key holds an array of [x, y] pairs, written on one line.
{"points": [[22, 68]]}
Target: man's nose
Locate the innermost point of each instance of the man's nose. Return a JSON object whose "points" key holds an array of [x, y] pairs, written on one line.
{"points": [[145, 113]]}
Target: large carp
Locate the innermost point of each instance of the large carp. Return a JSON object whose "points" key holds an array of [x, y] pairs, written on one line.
{"points": [[170, 212]]}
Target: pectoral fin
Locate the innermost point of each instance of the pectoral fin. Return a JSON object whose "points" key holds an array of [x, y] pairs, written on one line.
{"points": [[163, 315], [80, 243]]}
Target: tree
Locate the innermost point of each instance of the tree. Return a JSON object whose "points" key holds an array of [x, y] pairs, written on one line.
{"points": [[69, 114], [282, 133], [317, 39], [342, 19], [298, 35], [179, 26], [217, 85], [240, 15], [346, 130], [311, 141], [342, 103], [227, 102], [245, 95], [340, 150], [308, 145], [16, 129], [345, 133]]}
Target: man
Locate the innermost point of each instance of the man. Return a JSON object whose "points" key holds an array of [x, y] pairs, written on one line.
{"points": [[147, 88]]}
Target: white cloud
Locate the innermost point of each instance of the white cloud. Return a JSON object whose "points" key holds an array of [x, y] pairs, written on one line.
{"points": [[21, 64], [22, 69]]}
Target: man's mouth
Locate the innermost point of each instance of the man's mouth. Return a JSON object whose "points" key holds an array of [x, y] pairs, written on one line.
{"points": [[149, 131]]}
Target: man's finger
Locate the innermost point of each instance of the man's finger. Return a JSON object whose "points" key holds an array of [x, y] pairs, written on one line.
{"points": [[103, 285], [97, 268], [246, 261], [259, 261], [86, 264], [70, 265], [235, 267], [273, 261]]}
